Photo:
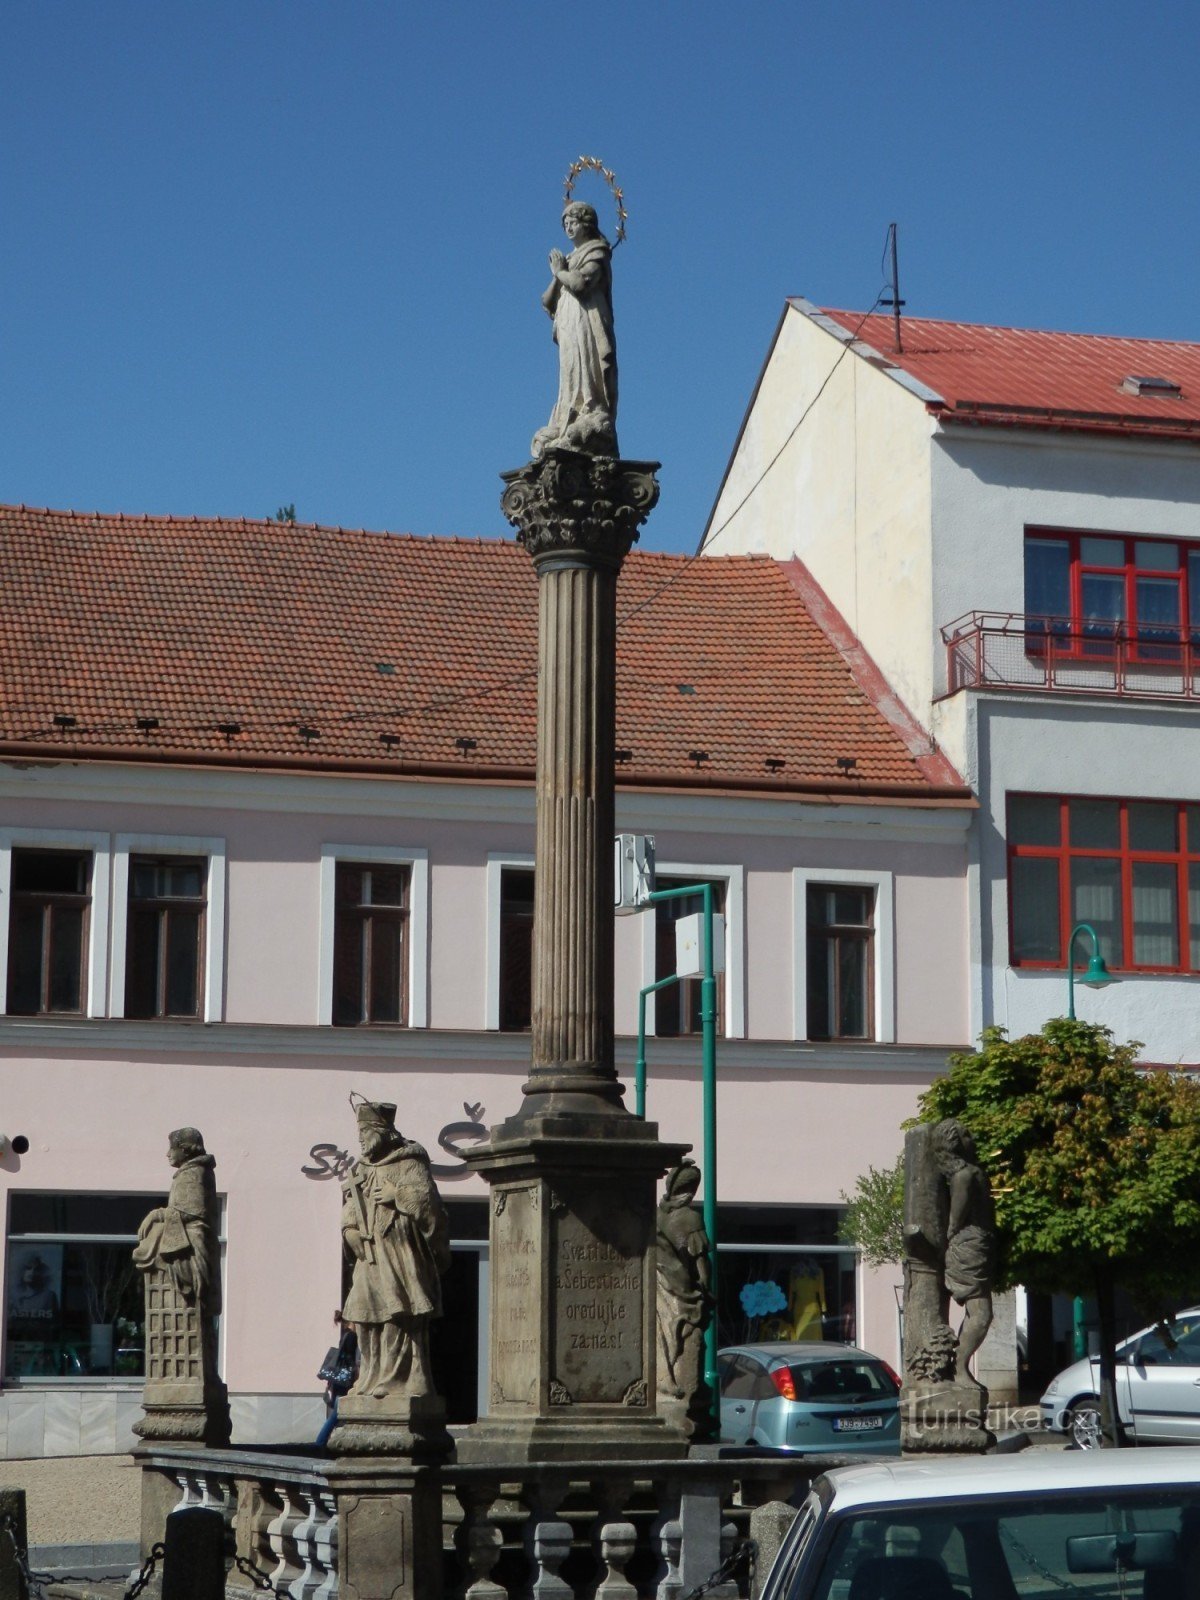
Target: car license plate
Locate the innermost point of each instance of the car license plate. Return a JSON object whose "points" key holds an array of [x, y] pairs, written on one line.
{"points": [[857, 1424]]}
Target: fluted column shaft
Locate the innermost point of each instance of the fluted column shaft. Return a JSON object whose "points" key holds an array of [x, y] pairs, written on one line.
{"points": [[577, 516], [573, 919]]}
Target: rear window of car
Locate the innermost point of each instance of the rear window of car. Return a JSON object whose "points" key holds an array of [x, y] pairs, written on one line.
{"points": [[1104, 1544], [842, 1380]]}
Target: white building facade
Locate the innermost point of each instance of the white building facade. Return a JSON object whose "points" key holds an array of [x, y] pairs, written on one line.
{"points": [[1009, 522]]}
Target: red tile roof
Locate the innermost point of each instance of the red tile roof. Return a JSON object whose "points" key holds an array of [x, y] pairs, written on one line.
{"points": [[1028, 378], [390, 649]]}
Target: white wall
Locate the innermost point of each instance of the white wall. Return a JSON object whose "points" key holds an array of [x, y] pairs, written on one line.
{"points": [[1042, 745], [849, 495], [989, 484]]}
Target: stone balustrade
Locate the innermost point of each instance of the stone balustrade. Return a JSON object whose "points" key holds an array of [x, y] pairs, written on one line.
{"points": [[609, 1530]]}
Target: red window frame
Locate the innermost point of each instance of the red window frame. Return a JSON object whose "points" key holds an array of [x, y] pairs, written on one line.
{"points": [[1187, 853], [1078, 645]]}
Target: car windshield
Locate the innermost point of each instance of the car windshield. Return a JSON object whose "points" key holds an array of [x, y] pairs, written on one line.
{"points": [[1109, 1545], [842, 1380]]}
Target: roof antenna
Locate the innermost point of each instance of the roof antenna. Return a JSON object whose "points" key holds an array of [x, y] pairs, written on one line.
{"points": [[894, 285]]}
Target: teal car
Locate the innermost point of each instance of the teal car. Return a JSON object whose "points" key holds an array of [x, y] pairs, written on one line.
{"points": [[809, 1398]]}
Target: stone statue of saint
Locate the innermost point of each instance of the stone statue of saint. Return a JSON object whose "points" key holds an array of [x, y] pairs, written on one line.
{"points": [[970, 1237], [683, 1303], [579, 299], [395, 1227], [179, 1253]]}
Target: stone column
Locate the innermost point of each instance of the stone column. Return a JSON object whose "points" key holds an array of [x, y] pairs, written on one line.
{"points": [[573, 1173], [577, 516]]}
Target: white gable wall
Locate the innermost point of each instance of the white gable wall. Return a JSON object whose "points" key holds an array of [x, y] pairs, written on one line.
{"points": [[849, 495]]}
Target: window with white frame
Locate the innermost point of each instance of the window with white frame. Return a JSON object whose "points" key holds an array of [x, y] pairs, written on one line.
{"points": [[844, 954], [168, 928], [681, 1009], [54, 897], [374, 936]]}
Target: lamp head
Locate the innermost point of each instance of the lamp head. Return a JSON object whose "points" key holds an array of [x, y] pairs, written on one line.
{"points": [[1097, 975]]}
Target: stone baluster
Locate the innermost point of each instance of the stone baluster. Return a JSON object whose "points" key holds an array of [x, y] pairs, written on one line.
{"points": [[729, 1589], [618, 1540], [257, 1508], [542, 1494], [479, 1541], [670, 1544], [305, 1536], [325, 1546], [281, 1537], [191, 1488], [551, 1547]]}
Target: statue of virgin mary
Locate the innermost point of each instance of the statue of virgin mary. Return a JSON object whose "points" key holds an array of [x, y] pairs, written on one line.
{"points": [[579, 300]]}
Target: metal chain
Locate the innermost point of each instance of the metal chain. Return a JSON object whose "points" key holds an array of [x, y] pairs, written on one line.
{"points": [[1042, 1571], [259, 1577], [157, 1551], [744, 1550], [36, 1581]]}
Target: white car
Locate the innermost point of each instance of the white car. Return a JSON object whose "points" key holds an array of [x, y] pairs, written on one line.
{"points": [[1158, 1389], [1037, 1525]]}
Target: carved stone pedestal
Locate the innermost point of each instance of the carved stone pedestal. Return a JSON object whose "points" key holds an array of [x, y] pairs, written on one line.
{"points": [[389, 1529], [946, 1420], [184, 1402], [414, 1428], [573, 1293]]}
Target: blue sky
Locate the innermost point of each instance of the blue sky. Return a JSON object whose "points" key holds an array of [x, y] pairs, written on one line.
{"points": [[282, 251]]}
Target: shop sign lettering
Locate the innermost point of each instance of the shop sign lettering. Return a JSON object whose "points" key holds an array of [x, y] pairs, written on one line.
{"points": [[331, 1161]]}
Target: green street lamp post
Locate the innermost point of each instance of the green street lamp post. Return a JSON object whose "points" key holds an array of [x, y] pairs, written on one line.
{"points": [[1097, 975]]}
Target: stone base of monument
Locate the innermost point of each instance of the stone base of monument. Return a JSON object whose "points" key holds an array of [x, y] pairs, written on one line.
{"points": [[389, 1522], [185, 1413], [691, 1418], [394, 1426], [949, 1420], [573, 1292]]}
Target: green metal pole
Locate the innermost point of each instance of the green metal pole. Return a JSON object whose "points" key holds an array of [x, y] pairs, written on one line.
{"points": [[640, 1078], [1080, 927], [708, 1022]]}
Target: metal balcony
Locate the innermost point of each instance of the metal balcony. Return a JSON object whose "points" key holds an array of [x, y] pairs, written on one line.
{"points": [[1007, 651]]}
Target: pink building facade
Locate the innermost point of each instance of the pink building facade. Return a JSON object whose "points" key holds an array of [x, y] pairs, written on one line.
{"points": [[239, 946]]}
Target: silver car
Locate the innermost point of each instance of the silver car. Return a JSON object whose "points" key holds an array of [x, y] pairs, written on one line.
{"points": [[812, 1398], [1158, 1389]]}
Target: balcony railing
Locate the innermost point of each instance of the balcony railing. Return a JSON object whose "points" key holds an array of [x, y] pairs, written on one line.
{"points": [[1006, 650]]}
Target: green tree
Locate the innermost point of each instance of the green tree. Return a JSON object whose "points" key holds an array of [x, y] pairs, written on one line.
{"points": [[285, 514], [874, 1218], [1095, 1169]]}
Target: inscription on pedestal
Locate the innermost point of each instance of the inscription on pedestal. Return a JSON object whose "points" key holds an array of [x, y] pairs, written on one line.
{"points": [[598, 1260], [516, 1229]]}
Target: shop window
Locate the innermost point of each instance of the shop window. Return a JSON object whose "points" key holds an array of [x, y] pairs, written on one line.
{"points": [[677, 1007], [164, 954], [48, 932], [783, 1275], [840, 951], [370, 943], [74, 1302], [1089, 589], [1131, 868], [516, 949]]}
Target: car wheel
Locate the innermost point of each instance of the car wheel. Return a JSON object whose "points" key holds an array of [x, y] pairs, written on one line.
{"points": [[1083, 1423]]}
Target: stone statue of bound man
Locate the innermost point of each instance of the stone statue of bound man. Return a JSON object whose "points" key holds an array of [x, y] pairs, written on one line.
{"points": [[949, 1239], [395, 1228], [178, 1250]]}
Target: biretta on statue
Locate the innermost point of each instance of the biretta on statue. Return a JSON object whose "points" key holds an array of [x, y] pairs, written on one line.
{"points": [[375, 1116]]}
